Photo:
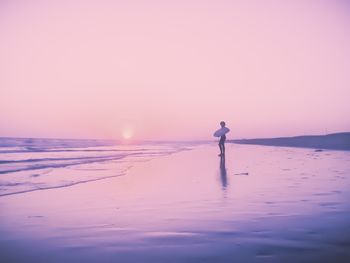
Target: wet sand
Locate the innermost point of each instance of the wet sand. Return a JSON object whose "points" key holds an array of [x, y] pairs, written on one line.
{"points": [[260, 204]]}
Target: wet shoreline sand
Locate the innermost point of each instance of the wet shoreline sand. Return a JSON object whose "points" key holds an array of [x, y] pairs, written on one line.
{"points": [[262, 204]]}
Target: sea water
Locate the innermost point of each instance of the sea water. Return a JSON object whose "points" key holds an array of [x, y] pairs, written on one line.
{"points": [[30, 164]]}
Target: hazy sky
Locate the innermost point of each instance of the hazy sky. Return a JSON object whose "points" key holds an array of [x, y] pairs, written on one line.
{"points": [[173, 69]]}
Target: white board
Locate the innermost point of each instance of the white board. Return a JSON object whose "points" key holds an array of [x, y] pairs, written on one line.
{"points": [[221, 132]]}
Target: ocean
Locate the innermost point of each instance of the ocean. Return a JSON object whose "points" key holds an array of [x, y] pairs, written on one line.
{"points": [[31, 164]]}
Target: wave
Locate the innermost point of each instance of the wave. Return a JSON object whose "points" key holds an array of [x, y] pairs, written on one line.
{"points": [[28, 165], [58, 186]]}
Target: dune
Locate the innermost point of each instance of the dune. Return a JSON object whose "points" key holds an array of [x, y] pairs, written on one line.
{"points": [[335, 141]]}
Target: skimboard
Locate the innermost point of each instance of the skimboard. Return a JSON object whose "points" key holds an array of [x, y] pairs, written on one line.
{"points": [[221, 132]]}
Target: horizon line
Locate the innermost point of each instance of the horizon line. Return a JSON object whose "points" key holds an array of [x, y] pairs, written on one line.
{"points": [[170, 140]]}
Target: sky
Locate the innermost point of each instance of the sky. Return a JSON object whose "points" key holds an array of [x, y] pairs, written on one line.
{"points": [[172, 70]]}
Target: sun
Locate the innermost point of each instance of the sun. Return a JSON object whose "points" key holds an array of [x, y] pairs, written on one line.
{"points": [[127, 134]]}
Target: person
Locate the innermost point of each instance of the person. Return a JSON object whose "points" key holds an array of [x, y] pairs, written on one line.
{"points": [[222, 140]]}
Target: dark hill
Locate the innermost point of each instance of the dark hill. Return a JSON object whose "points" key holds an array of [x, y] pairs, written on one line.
{"points": [[335, 141]]}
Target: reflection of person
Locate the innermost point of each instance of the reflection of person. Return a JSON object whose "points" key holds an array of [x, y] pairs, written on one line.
{"points": [[222, 140], [223, 174]]}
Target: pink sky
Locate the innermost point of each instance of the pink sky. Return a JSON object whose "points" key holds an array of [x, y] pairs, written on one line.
{"points": [[173, 69]]}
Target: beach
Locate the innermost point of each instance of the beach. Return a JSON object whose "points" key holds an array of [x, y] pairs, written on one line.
{"points": [[259, 204], [112, 114]]}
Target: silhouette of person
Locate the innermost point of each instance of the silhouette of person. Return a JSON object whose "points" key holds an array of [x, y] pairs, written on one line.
{"points": [[222, 140]]}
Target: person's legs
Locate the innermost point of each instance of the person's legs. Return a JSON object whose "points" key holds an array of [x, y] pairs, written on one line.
{"points": [[222, 141], [220, 146]]}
